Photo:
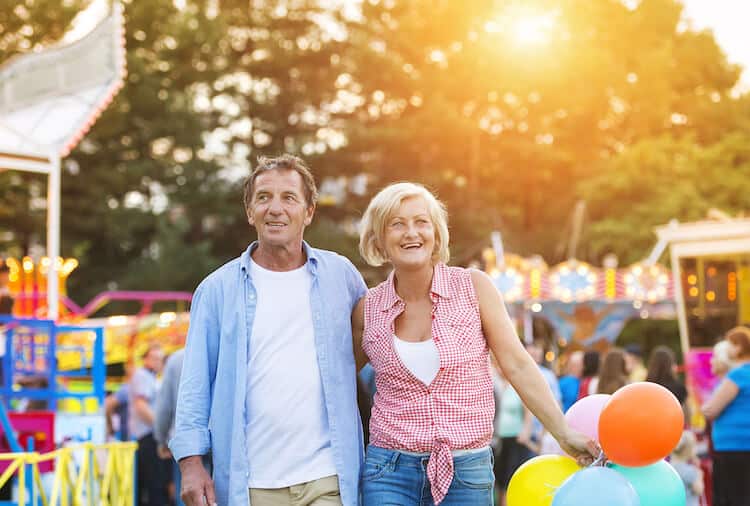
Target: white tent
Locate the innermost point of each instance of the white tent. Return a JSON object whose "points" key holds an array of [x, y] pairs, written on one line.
{"points": [[48, 101]]}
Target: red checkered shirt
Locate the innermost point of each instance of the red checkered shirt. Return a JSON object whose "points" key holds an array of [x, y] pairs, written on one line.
{"points": [[455, 411]]}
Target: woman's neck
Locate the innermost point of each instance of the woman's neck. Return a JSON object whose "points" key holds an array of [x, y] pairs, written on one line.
{"points": [[413, 284]]}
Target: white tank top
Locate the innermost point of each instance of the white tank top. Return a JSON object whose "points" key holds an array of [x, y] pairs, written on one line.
{"points": [[421, 358]]}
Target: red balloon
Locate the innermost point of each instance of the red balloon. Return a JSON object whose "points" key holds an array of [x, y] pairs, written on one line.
{"points": [[640, 425]]}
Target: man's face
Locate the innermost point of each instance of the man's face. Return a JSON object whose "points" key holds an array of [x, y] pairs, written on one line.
{"points": [[575, 364], [278, 209], [154, 360]]}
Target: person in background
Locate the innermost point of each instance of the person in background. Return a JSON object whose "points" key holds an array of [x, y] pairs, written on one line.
{"points": [[729, 409], [514, 427], [634, 363], [613, 374], [535, 349], [590, 376], [662, 369], [570, 383], [153, 473], [721, 362], [166, 405], [6, 300], [6, 308], [684, 459], [115, 413]]}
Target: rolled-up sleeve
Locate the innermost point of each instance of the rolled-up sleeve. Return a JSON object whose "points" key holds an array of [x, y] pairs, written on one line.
{"points": [[191, 434]]}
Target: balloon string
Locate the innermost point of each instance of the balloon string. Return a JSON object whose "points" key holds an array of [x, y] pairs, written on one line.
{"points": [[600, 460]]}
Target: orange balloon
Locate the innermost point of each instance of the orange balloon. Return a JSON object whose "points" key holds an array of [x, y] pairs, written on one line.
{"points": [[640, 425]]}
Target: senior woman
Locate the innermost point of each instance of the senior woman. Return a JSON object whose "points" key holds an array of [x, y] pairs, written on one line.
{"points": [[729, 409], [427, 331]]}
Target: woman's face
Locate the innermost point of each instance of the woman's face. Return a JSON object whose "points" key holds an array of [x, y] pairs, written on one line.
{"points": [[409, 239], [734, 351]]}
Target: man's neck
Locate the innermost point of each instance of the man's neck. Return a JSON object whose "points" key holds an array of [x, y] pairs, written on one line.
{"points": [[279, 258]]}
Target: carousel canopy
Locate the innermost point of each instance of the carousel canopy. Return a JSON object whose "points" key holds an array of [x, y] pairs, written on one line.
{"points": [[49, 99]]}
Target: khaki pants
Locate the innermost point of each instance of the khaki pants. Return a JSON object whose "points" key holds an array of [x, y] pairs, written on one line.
{"points": [[322, 492]]}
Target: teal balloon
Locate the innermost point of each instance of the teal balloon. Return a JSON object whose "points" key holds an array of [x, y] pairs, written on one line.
{"points": [[656, 485], [596, 486]]}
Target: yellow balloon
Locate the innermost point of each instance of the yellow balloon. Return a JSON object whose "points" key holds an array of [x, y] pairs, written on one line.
{"points": [[537, 480]]}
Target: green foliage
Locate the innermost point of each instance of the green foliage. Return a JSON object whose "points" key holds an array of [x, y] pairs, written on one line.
{"points": [[619, 106]]}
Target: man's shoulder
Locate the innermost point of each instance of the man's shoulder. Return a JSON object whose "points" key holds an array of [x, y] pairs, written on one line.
{"points": [[330, 257], [331, 261], [222, 275]]}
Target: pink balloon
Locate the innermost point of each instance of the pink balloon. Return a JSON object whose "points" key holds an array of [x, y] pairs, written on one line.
{"points": [[583, 416]]}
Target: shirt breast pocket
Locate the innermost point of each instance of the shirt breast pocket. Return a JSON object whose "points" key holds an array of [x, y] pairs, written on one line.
{"points": [[464, 329]]}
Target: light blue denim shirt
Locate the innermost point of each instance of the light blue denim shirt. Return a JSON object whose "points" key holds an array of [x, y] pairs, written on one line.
{"points": [[211, 402]]}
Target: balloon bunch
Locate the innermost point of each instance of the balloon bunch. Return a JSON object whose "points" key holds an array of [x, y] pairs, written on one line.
{"points": [[637, 427]]}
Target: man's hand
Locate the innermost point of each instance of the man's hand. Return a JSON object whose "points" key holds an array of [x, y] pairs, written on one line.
{"points": [[197, 485], [163, 452]]}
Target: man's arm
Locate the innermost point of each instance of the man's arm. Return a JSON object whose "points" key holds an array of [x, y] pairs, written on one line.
{"points": [[191, 437], [721, 398]]}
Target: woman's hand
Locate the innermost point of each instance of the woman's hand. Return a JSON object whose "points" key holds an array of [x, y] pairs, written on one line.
{"points": [[579, 446]]}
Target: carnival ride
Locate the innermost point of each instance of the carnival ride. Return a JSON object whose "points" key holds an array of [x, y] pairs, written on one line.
{"points": [[48, 101]]}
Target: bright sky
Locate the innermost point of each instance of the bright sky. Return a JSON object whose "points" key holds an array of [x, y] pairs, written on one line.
{"points": [[728, 19]]}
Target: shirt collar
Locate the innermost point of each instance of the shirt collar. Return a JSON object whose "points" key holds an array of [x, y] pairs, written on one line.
{"points": [[311, 253], [440, 287]]}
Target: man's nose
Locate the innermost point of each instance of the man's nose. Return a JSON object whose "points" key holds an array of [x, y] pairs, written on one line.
{"points": [[274, 207]]}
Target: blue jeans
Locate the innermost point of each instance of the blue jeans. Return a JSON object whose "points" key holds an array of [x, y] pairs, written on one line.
{"points": [[392, 478]]}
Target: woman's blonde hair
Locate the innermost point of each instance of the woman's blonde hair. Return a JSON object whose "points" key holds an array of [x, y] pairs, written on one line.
{"points": [[383, 205]]}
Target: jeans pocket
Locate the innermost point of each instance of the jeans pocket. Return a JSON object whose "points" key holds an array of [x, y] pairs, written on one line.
{"points": [[371, 471], [474, 472]]}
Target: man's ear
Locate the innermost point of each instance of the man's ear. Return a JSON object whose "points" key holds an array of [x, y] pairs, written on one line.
{"points": [[309, 213], [250, 218]]}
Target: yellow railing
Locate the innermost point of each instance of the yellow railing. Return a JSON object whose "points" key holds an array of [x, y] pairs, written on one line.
{"points": [[79, 476]]}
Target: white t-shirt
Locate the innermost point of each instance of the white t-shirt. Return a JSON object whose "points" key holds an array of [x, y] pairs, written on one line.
{"points": [[288, 439], [421, 358]]}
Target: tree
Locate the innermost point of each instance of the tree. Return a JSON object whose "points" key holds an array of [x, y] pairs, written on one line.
{"points": [[506, 107], [662, 179]]}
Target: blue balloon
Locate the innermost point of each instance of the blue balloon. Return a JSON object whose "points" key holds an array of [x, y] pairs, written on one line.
{"points": [[656, 485], [595, 486]]}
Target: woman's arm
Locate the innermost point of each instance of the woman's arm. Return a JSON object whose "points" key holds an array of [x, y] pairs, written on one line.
{"points": [[521, 370], [721, 398], [358, 328]]}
